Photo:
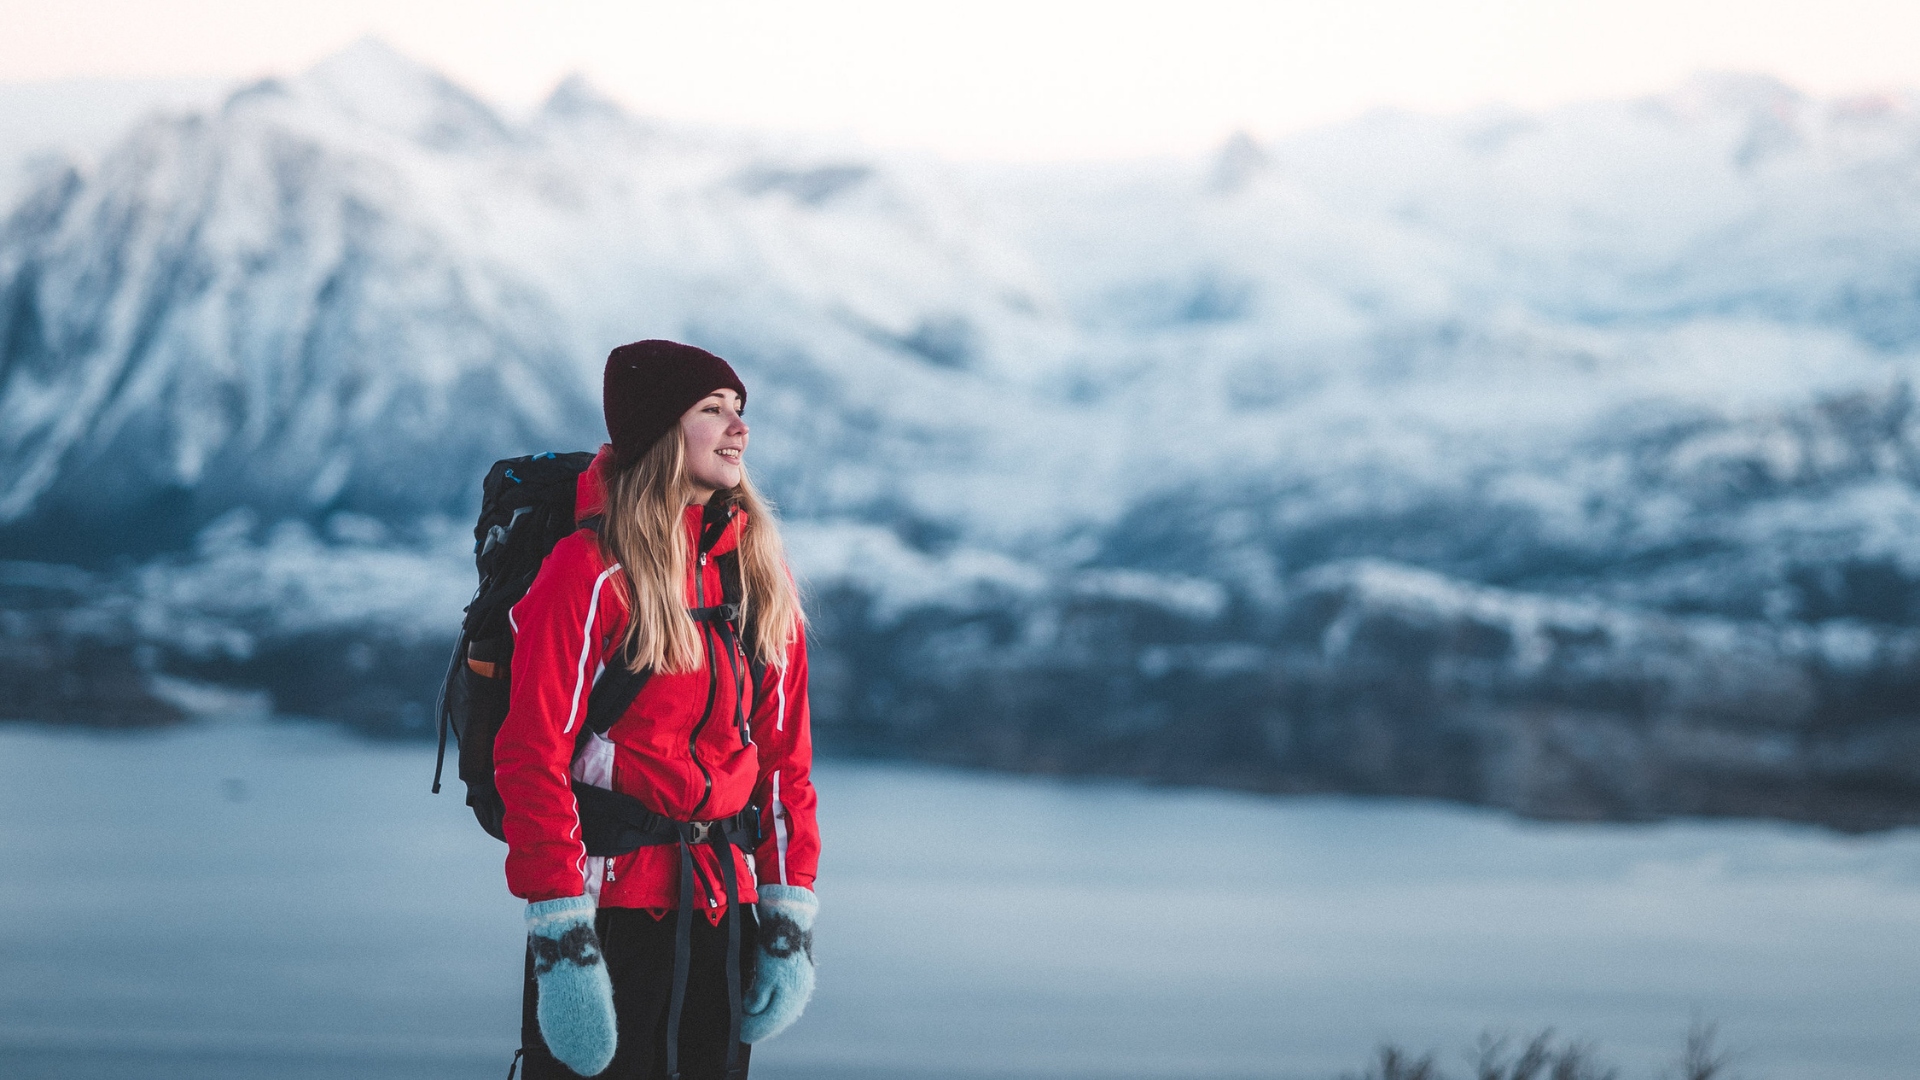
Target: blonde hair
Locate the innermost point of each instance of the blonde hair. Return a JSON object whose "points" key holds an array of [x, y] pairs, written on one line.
{"points": [[644, 533]]}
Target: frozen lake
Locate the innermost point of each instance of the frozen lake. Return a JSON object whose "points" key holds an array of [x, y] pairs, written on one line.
{"points": [[247, 899]]}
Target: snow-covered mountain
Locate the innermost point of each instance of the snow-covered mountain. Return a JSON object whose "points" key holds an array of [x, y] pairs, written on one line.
{"points": [[342, 291], [1564, 461]]}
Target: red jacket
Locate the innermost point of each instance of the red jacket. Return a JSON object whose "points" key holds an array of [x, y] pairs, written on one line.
{"points": [[677, 748]]}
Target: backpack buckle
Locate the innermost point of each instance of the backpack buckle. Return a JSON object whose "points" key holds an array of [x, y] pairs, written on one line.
{"points": [[697, 832]]}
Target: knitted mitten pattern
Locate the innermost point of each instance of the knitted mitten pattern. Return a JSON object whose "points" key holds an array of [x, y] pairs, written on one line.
{"points": [[575, 994], [783, 968]]}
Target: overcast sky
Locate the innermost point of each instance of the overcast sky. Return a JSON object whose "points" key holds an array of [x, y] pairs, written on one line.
{"points": [[1005, 78]]}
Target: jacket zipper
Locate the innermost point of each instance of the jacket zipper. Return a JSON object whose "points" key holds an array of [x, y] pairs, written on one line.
{"points": [[613, 784], [700, 600]]}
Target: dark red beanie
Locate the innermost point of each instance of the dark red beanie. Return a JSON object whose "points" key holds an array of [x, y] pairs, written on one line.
{"points": [[650, 384]]}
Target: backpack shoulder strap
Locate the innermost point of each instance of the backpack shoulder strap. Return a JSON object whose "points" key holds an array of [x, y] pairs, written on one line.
{"points": [[733, 593], [617, 686], [611, 696]]}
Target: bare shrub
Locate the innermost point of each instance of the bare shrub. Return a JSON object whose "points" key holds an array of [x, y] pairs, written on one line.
{"points": [[1542, 1058], [1702, 1059], [1396, 1064]]}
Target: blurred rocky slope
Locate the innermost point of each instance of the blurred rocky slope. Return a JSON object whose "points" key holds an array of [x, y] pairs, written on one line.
{"points": [[1565, 462]]}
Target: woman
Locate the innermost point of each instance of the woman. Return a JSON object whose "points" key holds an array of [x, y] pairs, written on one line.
{"points": [[626, 978]]}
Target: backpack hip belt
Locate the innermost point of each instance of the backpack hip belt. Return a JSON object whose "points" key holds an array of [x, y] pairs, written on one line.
{"points": [[612, 823]]}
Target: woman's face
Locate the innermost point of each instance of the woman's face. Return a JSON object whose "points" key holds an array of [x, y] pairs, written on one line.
{"points": [[716, 440]]}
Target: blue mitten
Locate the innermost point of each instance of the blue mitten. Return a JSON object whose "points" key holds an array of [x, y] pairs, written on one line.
{"points": [[783, 970], [575, 994]]}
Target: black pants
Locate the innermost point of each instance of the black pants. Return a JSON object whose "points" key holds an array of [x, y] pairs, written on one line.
{"points": [[639, 955]]}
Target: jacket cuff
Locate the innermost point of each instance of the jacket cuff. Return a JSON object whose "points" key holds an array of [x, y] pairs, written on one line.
{"points": [[551, 918], [790, 900]]}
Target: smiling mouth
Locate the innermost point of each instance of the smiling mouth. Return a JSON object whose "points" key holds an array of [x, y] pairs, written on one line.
{"points": [[730, 454]]}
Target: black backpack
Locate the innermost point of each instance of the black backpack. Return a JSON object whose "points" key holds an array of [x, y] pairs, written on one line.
{"points": [[526, 507]]}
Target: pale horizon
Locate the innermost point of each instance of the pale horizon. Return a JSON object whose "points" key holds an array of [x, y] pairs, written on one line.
{"points": [[1005, 81]]}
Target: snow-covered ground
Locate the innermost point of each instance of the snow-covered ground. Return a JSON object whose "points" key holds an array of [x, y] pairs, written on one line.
{"points": [[242, 898]]}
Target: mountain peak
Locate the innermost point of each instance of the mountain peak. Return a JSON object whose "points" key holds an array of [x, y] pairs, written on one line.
{"points": [[1237, 162], [579, 98], [1740, 92], [370, 60], [373, 82]]}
